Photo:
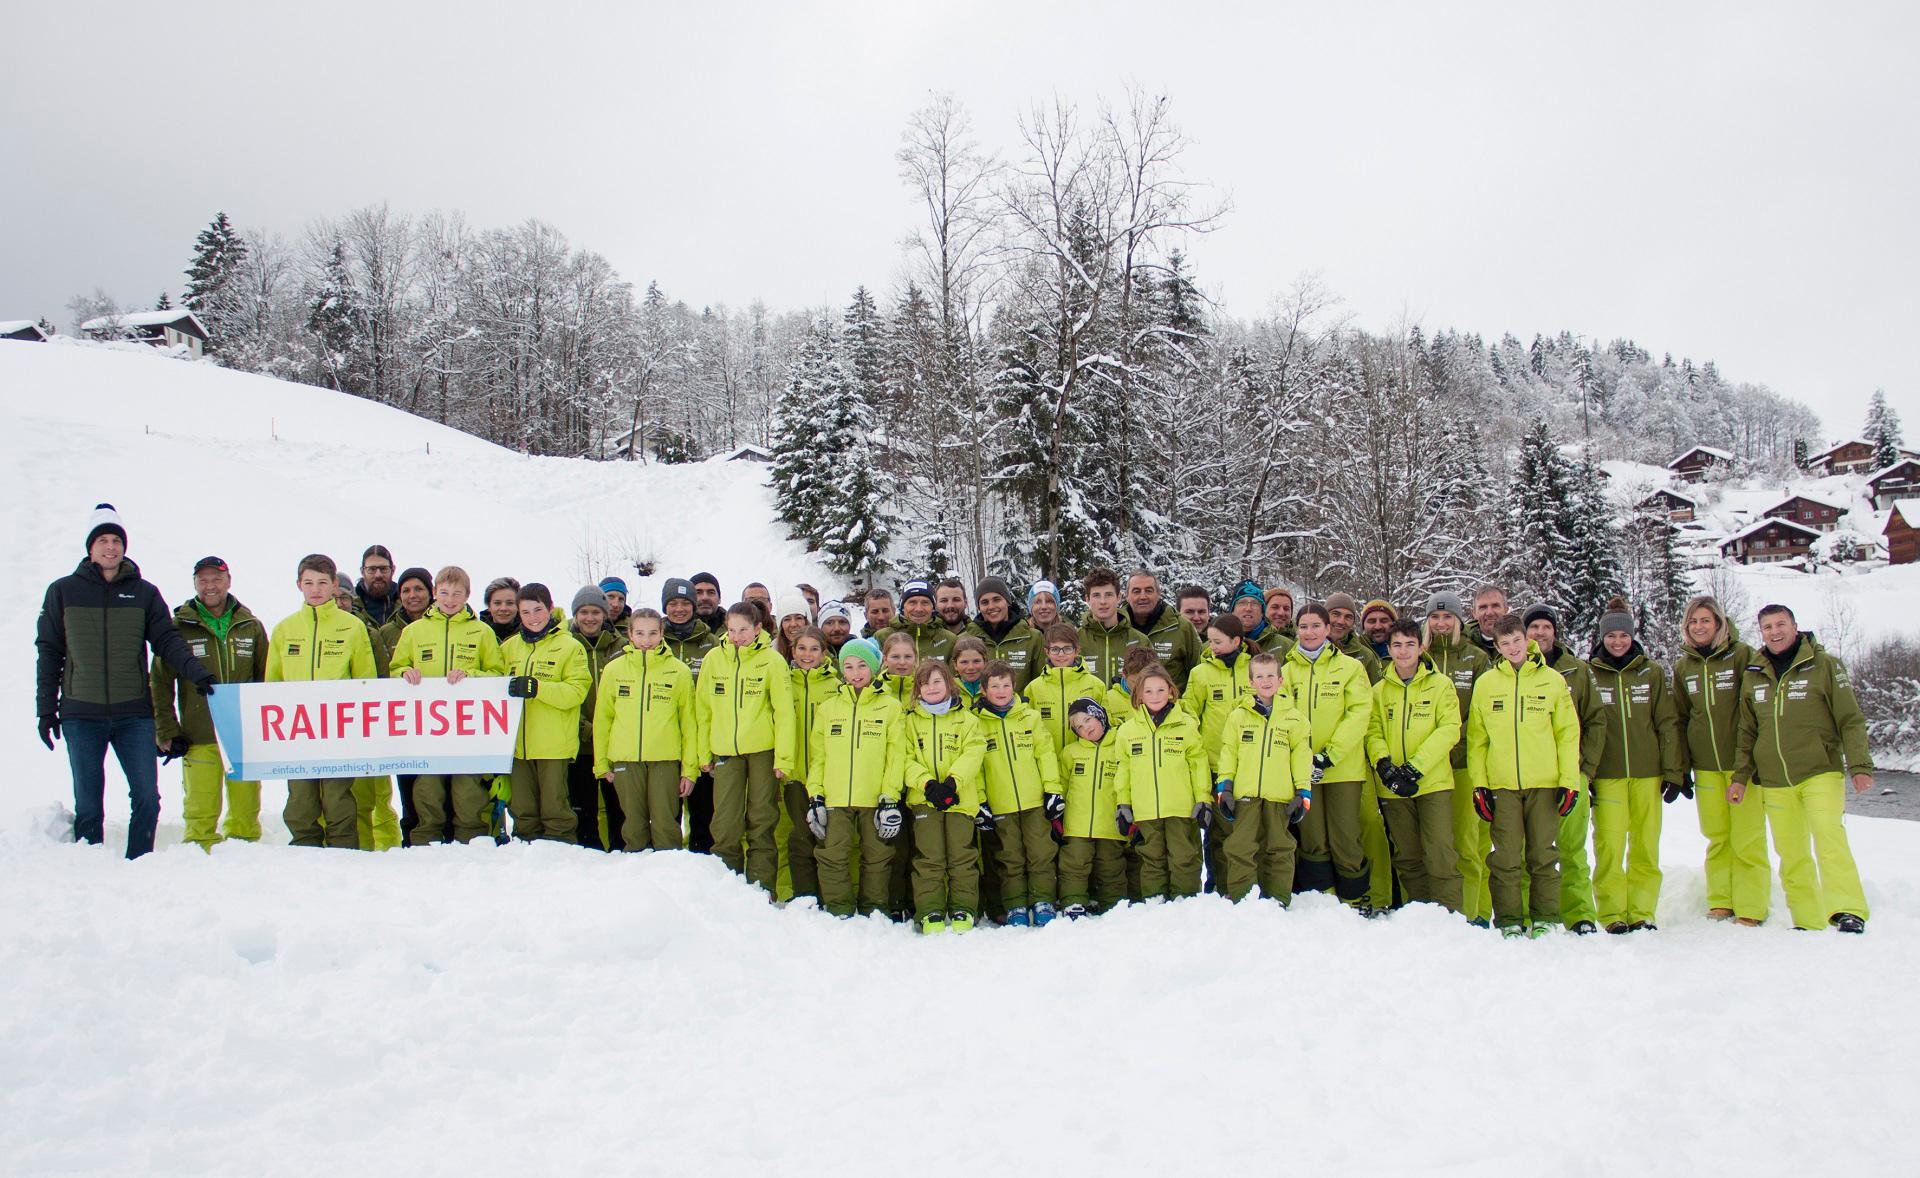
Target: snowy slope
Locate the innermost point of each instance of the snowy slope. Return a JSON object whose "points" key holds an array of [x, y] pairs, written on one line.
{"points": [[261, 472]]}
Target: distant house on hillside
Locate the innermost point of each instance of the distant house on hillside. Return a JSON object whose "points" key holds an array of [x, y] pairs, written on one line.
{"points": [[1899, 481], [1769, 541], [162, 329], [22, 329], [1701, 463], [1811, 510], [1678, 508], [749, 453], [1903, 532], [1852, 456]]}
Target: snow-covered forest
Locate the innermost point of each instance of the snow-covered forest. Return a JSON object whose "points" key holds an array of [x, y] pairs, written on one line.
{"points": [[1043, 385]]}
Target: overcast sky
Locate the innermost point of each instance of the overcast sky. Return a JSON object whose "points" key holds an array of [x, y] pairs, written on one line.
{"points": [[1735, 181]]}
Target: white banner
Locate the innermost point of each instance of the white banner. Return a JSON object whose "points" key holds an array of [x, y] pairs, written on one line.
{"points": [[365, 728]]}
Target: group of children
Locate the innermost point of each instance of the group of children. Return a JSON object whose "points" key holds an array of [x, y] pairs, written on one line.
{"points": [[951, 774]]}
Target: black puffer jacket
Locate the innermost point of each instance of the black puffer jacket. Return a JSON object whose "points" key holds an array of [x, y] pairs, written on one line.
{"points": [[93, 642]]}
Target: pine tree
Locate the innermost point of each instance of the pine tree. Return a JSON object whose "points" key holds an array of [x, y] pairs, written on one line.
{"points": [[337, 323], [163, 303], [1595, 569], [1883, 430], [799, 491], [1539, 549], [855, 523], [217, 255], [863, 345]]}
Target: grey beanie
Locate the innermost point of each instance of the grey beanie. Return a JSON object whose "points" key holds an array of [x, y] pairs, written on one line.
{"points": [[676, 587], [993, 585], [1444, 602], [1616, 620], [588, 595]]}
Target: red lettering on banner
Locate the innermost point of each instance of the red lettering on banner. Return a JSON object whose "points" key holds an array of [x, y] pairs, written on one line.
{"points": [[493, 716], [463, 718], [272, 718], [438, 710], [342, 716], [397, 718], [369, 712], [302, 724]]}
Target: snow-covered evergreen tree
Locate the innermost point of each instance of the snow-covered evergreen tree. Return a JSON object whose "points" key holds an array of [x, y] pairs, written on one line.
{"points": [[799, 486], [218, 254], [1883, 430], [163, 303], [336, 322]]}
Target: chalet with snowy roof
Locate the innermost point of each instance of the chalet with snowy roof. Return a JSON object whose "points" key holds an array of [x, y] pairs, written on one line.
{"points": [[1903, 532], [1769, 541], [1852, 456], [1814, 511], [22, 329], [1891, 483], [162, 329], [1701, 463], [1677, 508], [749, 453]]}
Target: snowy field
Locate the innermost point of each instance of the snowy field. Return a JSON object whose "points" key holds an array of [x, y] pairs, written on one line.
{"points": [[543, 1010]]}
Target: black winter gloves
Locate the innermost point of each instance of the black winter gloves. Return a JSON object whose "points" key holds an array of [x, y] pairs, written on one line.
{"points": [[49, 730], [942, 794], [523, 686]]}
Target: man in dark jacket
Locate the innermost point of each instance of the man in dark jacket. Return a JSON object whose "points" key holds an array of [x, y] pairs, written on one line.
{"points": [[376, 593], [91, 688]]}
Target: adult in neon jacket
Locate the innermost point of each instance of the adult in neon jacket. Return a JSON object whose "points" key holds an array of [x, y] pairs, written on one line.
{"points": [[944, 749], [744, 706], [1523, 764], [1021, 770], [448, 642], [318, 642], [1802, 739], [1164, 786], [646, 737], [1707, 678], [1411, 734], [229, 641], [549, 669], [1640, 761], [1264, 767], [1332, 692]]}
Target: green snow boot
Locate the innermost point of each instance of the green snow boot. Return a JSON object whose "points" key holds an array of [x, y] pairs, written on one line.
{"points": [[959, 922], [933, 922]]}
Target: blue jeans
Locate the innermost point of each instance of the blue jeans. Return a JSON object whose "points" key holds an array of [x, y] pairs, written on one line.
{"points": [[132, 741]]}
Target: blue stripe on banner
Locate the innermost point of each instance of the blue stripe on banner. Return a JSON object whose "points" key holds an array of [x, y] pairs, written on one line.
{"points": [[224, 704], [299, 770]]}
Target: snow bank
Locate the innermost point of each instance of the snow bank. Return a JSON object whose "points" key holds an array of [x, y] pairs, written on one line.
{"points": [[543, 1009], [200, 459]]}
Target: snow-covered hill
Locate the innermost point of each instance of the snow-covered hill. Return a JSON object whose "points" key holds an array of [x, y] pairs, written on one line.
{"points": [[261, 472]]}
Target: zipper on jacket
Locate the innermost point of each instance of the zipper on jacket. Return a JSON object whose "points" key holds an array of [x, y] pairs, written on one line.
{"points": [[1518, 782], [1093, 810], [854, 758], [1626, 720], [313, 652], [1706, 692], [640, 738], [1006, 744], [738, 664]]}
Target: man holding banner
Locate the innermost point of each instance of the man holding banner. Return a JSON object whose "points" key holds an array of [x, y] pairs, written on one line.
{"points": [[232, 643], [320, 642]]}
